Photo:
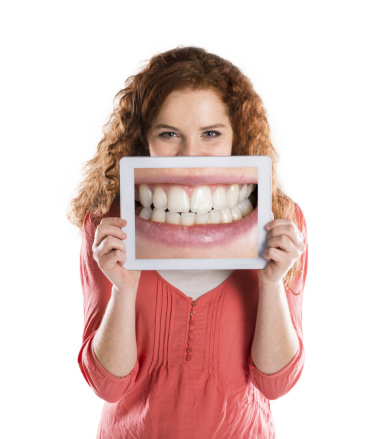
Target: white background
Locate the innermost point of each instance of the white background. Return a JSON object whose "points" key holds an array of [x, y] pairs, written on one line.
{"points": [[322, 71]]}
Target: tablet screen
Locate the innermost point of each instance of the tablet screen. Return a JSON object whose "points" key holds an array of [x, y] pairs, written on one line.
{"points": [[182, 213]]}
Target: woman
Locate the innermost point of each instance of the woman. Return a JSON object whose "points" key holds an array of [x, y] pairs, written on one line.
{"points": [[187, 354]]}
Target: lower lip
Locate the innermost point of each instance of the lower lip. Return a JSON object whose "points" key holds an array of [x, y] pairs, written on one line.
{"points": [[194, 236]]}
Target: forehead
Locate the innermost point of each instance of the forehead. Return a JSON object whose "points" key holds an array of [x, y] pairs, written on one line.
{"points": [[204, 101]]}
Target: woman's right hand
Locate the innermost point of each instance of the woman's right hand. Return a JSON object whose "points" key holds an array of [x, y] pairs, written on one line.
{"points": [[109, 251]]}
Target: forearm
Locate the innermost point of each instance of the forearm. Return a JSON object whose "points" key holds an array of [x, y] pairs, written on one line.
{"points": [[275, 342], [114, 343]]}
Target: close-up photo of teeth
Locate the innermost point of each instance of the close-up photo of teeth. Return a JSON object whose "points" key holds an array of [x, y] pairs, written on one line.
{"points": [[194, 205]]}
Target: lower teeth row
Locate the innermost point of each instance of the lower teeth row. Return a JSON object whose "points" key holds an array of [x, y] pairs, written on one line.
{"points": [[215, 216]]}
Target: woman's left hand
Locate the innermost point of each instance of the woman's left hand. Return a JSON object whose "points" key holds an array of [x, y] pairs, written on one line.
{"points": [[285, 246]]}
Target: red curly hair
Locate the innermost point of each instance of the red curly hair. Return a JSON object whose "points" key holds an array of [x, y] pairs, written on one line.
{"points": [[137, 105]]}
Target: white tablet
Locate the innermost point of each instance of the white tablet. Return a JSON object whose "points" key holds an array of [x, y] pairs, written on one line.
{"points": [[195, 212]]}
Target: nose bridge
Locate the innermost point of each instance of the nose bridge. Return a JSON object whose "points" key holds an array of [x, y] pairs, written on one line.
{"points": [[191, 147]]}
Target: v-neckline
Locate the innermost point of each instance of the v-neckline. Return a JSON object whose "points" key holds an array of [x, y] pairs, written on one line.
{"points": [[201, 298]]}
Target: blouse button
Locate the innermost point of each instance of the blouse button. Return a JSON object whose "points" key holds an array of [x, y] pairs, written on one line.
{"points": [[190, 340], [189, 350], [190, 332], [192, 323], [194, 303], [188, 357]]}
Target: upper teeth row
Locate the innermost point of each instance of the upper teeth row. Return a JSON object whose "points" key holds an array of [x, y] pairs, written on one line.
{"points": [[201, 200]]}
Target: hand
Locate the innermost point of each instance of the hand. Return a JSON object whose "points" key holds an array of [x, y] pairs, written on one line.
{"points": [[109, 251], [285, 246]]}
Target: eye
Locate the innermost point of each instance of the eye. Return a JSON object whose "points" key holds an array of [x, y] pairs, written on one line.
{"points": [[167, 134], [212, 134]]}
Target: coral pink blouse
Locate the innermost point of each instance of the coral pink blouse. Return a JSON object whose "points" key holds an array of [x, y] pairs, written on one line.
{"points": [[194, 376]]}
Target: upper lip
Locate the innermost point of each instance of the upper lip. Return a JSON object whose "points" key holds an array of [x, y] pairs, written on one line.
{"points": [[195, 176]]}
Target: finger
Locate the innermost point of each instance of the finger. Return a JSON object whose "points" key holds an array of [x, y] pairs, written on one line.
{"points": [[269, 225], [108, 245], [277, 222], [284, 244], [110, 260], [106, 229], [114, 221], [291, 231], [281, 258]]}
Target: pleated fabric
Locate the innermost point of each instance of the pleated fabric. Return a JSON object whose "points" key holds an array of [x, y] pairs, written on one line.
{"points": [[194, 377]]}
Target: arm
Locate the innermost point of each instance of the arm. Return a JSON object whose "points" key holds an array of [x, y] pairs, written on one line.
{"points": [[117, 330], [109, 321], [277, 353]]}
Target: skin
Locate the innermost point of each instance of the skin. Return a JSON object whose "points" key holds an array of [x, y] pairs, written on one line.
{"points": [[275, 342], [193, 123], [187, 112]]}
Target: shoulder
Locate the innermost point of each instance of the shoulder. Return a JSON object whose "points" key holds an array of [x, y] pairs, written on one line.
{"points": [[91, 221]]}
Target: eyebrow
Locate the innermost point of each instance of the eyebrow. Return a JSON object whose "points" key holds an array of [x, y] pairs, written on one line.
{"points": [[210, 127]]}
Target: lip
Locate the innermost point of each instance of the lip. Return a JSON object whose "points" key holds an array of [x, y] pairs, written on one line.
{"points": [[195, 176], [204, 235], [195, 236]]}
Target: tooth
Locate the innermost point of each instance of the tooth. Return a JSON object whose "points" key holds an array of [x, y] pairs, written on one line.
{"points": [[172, 218], [226, 215], [232, 195], [253, 187], [202, 218], [248, 190], [219, 198], [242, 193], [178, 200], [160, 198], [158, 216], [138, 209], [146, 213], [187, 219], [245, 207], [215, 216], [145, 195], [201, 200], [236, 213]]}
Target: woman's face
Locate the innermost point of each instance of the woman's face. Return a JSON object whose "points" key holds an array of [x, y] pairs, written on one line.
{"points": [[194, 212], [191, 123]]}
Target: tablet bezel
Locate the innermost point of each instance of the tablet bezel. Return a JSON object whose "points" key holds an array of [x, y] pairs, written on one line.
{"points": [[127, 209]]}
